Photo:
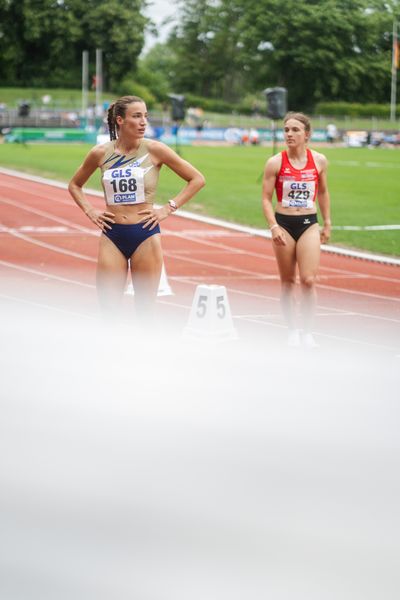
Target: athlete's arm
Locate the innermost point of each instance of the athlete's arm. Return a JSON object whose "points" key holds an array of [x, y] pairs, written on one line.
{"points": [[324, 199], [163, 155], [271, 171], [75, 188]]}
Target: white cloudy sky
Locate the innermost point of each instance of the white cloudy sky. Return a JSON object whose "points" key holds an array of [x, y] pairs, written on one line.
{"points": [[158, 11]]}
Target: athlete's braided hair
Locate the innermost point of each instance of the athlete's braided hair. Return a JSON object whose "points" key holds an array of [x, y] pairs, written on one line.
{"points": [[118, 109]]}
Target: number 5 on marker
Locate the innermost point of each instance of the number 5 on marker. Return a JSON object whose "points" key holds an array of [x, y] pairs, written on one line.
{"points": [[202, 306], [221, 310]]}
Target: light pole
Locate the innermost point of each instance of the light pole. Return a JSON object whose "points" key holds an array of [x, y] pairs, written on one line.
{"points": [[85, 82], [276, 108], [177, 114], [395, 65], [99, 82]]}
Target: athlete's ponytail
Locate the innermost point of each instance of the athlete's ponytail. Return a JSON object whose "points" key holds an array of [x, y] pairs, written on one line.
{"points": [[111, 122]]}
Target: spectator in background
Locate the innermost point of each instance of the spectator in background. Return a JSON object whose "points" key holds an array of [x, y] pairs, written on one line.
{"points": [[331, 133], [254, 137], [245, 137]]}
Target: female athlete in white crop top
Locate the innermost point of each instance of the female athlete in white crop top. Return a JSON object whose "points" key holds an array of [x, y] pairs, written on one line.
{"points": [[130, 224]]}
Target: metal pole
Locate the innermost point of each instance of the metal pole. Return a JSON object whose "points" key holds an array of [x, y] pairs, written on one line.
{"points": [[394, 74], [177, 139], [99, 80], [85, 82], [273, 137]]}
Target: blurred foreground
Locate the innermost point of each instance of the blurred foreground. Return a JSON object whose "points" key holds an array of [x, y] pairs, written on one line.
{"points": [[144, 466]]}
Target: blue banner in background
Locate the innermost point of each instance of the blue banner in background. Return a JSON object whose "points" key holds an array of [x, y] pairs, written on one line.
{"points": [[230, 135], [185, 135]]}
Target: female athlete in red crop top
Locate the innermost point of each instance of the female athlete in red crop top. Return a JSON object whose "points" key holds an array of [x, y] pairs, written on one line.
{"points": [[298, 175]]}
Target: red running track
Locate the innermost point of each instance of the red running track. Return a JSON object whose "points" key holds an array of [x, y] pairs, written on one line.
{"points": [[48, 254]]}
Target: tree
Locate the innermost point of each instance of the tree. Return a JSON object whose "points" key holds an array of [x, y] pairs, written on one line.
{"points": [[156, 70], [41, 41], [317, 49], [208, 60], [335, 49], [116, 26]]}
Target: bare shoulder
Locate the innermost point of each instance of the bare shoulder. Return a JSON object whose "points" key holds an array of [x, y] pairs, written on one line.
{"points": [[157, 148], [154, 144], [320, 160], [99, 150], [96, 154], [273, 164], [162, 154]]}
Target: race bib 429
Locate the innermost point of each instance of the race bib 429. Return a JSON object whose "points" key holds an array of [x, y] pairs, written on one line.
{"points": [[298, 194]]}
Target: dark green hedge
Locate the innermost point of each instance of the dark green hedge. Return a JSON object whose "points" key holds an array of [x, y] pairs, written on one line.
{"points": [[217, 106], [354, 109]]}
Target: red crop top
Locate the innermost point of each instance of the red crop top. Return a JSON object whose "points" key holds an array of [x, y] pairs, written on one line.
{"points": [[297, 188]]}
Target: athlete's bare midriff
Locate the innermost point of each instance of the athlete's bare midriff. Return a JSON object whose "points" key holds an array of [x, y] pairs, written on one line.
{"points": [[295, 211], [128, 214]]}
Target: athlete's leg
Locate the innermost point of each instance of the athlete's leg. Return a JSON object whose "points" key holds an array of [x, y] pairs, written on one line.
{"points": [[286, 259], [146, 265], [112, 268], [308, 254]]}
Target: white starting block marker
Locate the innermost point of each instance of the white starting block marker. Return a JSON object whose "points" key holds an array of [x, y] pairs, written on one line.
{"points": [[164, 288], [210, 316]]}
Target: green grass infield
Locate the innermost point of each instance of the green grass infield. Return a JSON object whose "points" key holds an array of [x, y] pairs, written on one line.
{"points": [[364, 185]]}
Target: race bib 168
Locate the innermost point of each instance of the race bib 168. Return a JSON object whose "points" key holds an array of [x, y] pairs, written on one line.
{"points": [[124, 185]]}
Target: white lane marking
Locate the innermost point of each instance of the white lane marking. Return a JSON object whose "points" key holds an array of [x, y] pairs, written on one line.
{"points": [[47, 230], [46, 306], [213, 244], [257, 295], [355, 274], [194, 282], [48, 183], [196, 261], [51, 247], [328, 336], [223, 277], [344, 276], [253, 274], [358, 163], [357, 293], [218, 222], [265, 256], [265, 323], [5, 263], [225, 247], [251, 318], [324, 335], [270, 258], [337, 311], [263, 277], [210, 233], [366, 227], [48, 216]]}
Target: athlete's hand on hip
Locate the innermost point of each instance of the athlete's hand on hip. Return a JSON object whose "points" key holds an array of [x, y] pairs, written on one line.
{"points": [[325, 234], [153, 216], [278, 236], [101, 218]]}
